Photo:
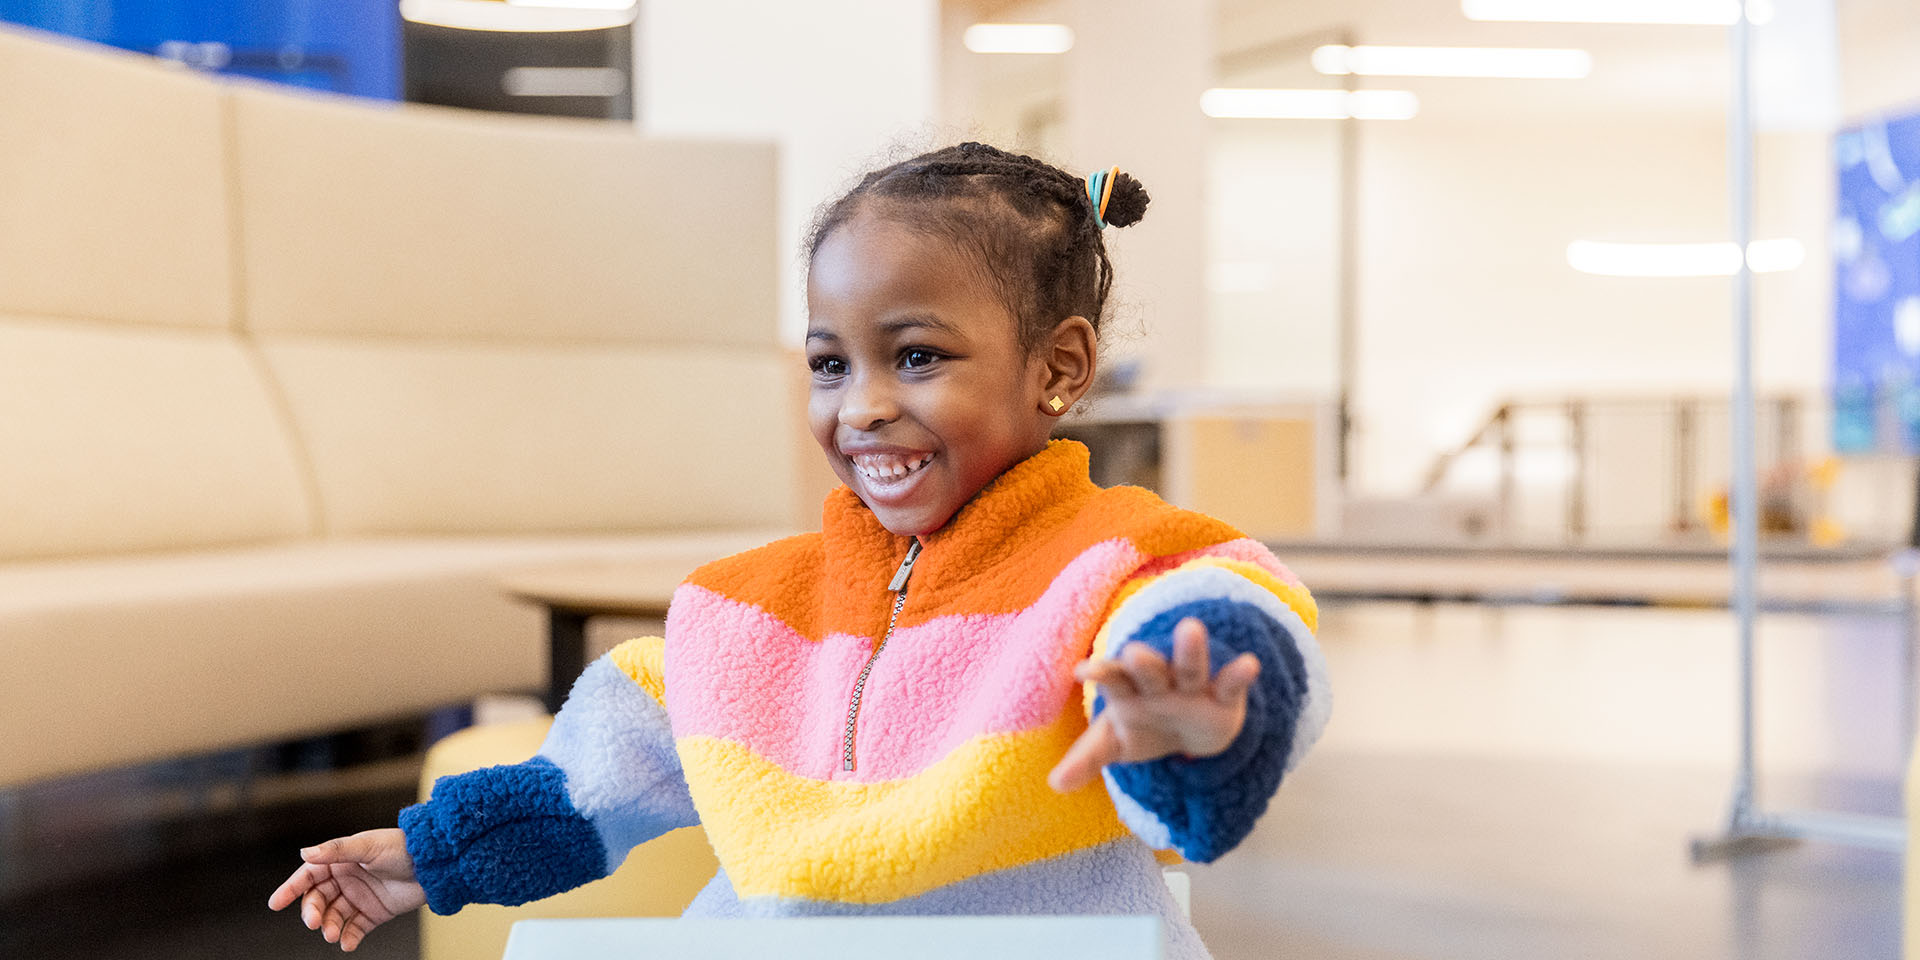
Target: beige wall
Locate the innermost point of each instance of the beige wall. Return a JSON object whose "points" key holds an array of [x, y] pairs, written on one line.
{"points": [[1879, 45], [1466, 297], [836, 85]]}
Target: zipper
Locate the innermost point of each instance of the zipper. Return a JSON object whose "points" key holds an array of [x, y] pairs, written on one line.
{"points": [[899, 587]]}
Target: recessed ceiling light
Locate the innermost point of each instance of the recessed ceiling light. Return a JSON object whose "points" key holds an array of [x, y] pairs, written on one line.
{"points": [[1241, 103], [1506, 62], [1701, 12], [1683, 259], [1018, 38]]}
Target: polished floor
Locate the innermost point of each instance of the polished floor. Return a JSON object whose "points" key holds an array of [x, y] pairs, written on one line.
{"points": [[1498, 782]]}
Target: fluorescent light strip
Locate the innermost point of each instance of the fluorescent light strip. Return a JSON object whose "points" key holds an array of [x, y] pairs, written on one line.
{"points": [[1503, 63], [1240, 103], [511, 18], [1018, 38], [577, 4], [1685, 12], [563, 82], [1683, 259]]}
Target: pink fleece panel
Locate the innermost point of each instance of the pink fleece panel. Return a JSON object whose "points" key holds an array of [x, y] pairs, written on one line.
{"points": [[744, 667], [755, 681], [1245, 549]]}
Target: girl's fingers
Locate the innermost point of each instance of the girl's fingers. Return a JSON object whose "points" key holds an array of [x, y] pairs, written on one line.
{"points": [[357, 931], [290, 890], [1231, 684], [348, 918], [358, 848], [1110, 675], [331, 926], [1190, 668], [1146, 668], [1095, 749], [312, 908]]}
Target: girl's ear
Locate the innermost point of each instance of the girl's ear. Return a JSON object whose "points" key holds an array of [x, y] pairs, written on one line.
{"points": [[1068, 356]]}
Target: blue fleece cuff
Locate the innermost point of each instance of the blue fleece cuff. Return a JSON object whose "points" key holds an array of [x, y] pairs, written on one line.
{"points": [[503, 835], [1208, 805]]}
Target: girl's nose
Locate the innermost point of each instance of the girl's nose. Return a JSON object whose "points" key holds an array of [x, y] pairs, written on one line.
{"points": [[868, 406]]}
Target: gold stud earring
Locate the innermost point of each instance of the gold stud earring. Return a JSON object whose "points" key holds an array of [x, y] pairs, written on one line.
{"points": [[1056, 403]]}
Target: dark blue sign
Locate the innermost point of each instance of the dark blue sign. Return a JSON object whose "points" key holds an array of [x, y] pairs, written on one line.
{"points": [[1876, 245], [346, 46]]}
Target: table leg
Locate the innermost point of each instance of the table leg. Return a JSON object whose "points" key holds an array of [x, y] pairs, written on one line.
{"points": [[566, 654]]}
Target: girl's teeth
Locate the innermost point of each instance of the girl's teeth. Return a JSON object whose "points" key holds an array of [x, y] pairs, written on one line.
{"points": [[888, 467]]}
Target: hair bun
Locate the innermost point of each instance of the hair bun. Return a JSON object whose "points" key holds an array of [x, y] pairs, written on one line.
{"points": [[1128, 203]]}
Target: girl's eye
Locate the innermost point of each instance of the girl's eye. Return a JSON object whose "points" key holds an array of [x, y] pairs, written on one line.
{"points": [[827, 366], [918, 358]]}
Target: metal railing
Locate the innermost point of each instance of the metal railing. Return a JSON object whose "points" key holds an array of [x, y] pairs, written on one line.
{"points": [[1581, 471]]}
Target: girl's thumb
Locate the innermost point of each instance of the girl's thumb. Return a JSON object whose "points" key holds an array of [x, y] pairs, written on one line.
{"points": [[343, 850]]}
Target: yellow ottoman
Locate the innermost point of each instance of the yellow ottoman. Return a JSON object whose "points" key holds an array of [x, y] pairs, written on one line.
{"points": [[1910, 889], [658, 879]]}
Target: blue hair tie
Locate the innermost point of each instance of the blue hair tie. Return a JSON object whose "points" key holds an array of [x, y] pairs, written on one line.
{"points": [[1099, 191]]}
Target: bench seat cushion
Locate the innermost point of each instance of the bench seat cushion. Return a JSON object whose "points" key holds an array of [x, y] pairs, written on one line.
{"points": [[127, 659]]}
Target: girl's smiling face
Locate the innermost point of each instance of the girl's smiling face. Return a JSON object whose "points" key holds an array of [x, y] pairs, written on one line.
{"points": [[922, 393]]}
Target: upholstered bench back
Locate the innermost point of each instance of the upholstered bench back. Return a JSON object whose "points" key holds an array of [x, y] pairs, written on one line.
{"points": [[488, 324], [132, 416]]}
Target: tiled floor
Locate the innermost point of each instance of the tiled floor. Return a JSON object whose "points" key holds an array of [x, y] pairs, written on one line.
{"points": [[1498, 782]]}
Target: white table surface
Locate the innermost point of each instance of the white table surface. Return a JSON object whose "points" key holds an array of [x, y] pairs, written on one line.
{"points": [[840, 938]]}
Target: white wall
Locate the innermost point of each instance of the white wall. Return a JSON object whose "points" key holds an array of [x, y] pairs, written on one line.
{"points": [[837, 84], [1272, 225], [1132, 86], [1466, 297]]}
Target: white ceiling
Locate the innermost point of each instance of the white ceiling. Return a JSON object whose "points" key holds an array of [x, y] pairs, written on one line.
{"points": [[1650, 72]]}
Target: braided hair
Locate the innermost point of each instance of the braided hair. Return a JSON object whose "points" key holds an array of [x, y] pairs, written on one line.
{"points": [[1028, 224]]}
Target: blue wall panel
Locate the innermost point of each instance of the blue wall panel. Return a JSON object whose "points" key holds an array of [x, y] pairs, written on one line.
{"points": [[1876, 243], [347, 46]]}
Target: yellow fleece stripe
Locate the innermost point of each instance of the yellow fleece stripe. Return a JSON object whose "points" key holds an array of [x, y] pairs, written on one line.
{"points": [[644, 659], [984, 807], [1293, 596]]}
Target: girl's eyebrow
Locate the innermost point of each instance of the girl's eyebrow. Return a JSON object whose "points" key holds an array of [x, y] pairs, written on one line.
{"points": [[818, 334], [922, 321]]}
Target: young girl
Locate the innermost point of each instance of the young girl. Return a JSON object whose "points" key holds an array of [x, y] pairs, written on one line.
{"points": [[886, 717]]}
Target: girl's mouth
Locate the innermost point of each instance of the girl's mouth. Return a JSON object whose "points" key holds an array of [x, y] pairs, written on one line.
{"points": [[888, 469]]}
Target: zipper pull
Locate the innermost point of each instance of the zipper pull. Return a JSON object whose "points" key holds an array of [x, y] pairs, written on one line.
{"points": [[899, 583]]}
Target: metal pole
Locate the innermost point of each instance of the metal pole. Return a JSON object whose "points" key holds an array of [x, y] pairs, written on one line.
{"points": [[1349, 282], [1577, 487], [1742, 500]]}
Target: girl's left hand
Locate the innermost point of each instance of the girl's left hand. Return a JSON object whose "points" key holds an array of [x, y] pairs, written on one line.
{"points": [[1155, 709]]}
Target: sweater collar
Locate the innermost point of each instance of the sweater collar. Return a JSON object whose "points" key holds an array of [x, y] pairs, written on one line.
{"points": [[1053, 482]]}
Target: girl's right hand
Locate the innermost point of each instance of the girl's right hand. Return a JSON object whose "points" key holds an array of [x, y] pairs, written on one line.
{"points": [[350, 885]]}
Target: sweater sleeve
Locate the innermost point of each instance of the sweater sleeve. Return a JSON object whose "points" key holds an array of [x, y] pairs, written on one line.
{"points": [[1204, 807], [606, 779]]}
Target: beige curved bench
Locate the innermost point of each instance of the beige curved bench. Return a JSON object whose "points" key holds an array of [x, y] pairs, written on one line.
{"points": [[288, 382]]}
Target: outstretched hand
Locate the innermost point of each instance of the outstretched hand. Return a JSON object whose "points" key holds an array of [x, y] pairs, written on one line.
{"points": [[350, 885], [1155, 708]]}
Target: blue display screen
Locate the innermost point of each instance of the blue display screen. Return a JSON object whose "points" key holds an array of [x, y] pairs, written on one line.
{"points": [[1876, 244], [347, 46]]}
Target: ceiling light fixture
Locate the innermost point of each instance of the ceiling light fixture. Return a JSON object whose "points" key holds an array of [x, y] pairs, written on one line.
{"points": [[1683, 259], [514, 17], [1504, 63], [577, 4], [1720, 13], [1242, 103], [1018, 38]]}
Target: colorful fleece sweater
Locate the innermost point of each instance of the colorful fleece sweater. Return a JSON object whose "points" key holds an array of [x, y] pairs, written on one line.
{"points": [[744, 719]]}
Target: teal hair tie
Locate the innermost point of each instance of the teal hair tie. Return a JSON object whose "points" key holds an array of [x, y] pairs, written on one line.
{"points": [[1096, 183]]}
